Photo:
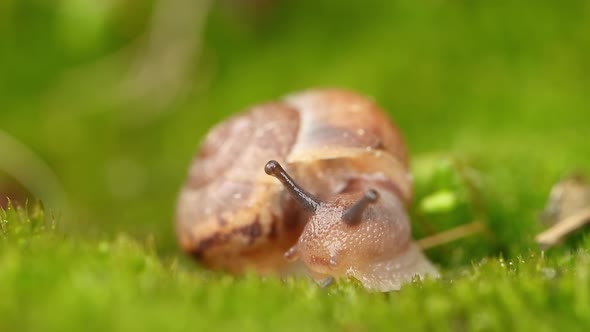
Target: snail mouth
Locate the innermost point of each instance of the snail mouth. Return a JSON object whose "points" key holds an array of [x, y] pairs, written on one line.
{"points": [[318, 261], [321, 265], [320, 274]]}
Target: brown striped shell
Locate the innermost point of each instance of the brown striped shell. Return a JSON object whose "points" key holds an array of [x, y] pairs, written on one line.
{"points": [[337, 146]]}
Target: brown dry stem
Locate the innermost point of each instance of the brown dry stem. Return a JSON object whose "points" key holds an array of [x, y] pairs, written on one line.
{"points": [[559, 230], [452, 234]]}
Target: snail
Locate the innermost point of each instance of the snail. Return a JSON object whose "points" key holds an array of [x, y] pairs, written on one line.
{"points": [[314, 183]]}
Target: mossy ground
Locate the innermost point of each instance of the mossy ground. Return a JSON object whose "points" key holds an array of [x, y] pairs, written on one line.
{"points": [[53, 282], [492, 97]]}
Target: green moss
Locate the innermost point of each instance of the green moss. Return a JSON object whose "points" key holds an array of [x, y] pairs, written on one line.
{"points": [[59, 283]]}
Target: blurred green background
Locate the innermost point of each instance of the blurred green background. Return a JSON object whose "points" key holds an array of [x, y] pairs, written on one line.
{"points": [[104, 103]]}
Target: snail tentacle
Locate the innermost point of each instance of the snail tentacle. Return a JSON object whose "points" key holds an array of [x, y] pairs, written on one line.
{"points": [[292, 254], [353, 215], [305, 199]]}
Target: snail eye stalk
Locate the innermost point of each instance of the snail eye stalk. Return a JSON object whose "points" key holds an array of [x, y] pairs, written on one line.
{"points": [[306, 200], [354, 214]]}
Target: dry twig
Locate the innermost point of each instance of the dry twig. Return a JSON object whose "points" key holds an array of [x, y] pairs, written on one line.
{"points": [[559, 230], [452, 234]]}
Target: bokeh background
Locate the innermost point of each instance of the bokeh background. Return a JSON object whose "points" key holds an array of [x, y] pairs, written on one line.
{"points": [[103, 103]]}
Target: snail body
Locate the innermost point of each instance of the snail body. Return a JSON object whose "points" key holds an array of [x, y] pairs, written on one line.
{"points": [[338, 208]]}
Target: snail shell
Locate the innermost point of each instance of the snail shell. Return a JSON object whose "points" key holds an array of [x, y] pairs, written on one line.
{"points": [[339, 207]]}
